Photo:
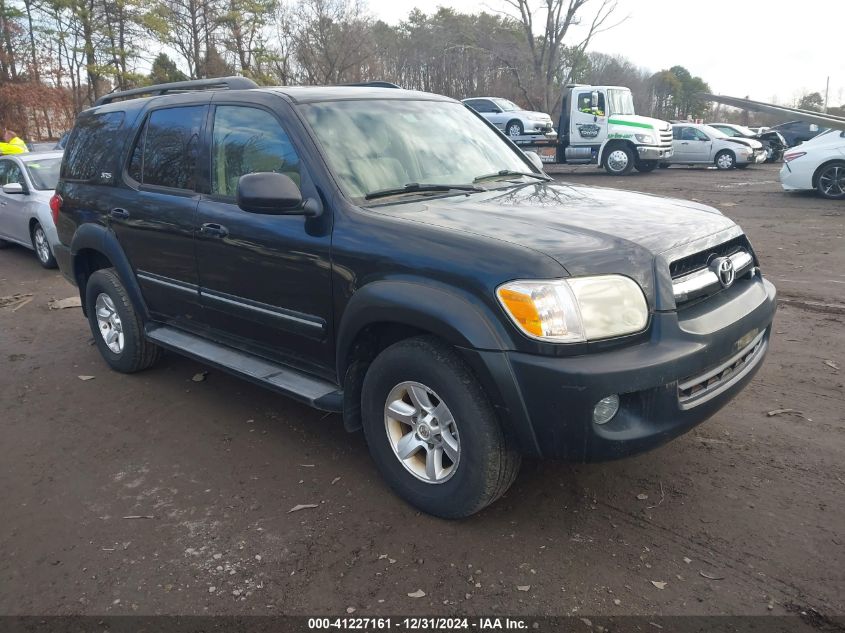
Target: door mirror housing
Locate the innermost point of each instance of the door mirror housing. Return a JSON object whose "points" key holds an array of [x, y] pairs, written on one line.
{"points": [[14, 188], [270, 193], [535, 159], [594, 99], [495, 110]]}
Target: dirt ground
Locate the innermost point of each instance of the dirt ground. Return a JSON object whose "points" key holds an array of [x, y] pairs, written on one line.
{"points": [[744, 515]]}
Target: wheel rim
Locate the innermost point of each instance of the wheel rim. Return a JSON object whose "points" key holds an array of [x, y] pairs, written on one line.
{"points": [[422, 432], [618, 160], [42, 248], [832, 181], [514, 130], [108, 320], [725, 161]]}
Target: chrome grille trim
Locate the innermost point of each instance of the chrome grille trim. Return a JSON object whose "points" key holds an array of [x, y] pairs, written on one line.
{"points": [[704, 281], [699, 389]]}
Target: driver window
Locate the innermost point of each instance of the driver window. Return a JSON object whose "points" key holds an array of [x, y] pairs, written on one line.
{"points": [[585, 103], [688, 134], [248, 140]]}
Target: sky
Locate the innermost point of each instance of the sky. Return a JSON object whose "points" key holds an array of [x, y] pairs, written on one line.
{"points": [[765, 49]]}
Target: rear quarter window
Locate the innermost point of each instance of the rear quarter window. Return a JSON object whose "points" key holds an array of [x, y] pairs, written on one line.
{"points": [[92, 148]]}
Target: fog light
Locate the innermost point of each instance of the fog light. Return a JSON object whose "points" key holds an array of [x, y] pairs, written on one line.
{"points": [[605, 409]]}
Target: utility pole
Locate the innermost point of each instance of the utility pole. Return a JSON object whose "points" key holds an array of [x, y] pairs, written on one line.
{"points": [[826, 93]]}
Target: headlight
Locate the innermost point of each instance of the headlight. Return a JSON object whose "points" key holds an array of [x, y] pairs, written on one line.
{"points": [[577, 309], [647, 139]]}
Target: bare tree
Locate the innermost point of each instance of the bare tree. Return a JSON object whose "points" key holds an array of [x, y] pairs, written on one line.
{"points": [[545, 30]]}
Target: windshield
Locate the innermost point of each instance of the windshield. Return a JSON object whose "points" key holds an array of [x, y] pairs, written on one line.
{"points": [[44, 173], [714, 132], [621, 101], [378, 145], [505, 105]]}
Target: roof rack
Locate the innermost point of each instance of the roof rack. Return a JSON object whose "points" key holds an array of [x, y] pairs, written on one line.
{"points": [[226, 83], [374, 84]]}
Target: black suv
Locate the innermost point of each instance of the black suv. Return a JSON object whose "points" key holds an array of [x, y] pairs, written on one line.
{"points": [[389, 255]]}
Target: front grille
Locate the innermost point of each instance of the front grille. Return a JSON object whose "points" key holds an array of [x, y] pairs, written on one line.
{"points": [[699, 389], [666, 138], [700, 260]]}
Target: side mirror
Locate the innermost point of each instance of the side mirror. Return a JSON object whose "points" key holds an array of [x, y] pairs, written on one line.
{"points": [[594, 99], [535, 159], [496, 111], [14, 188], [270, 193]]}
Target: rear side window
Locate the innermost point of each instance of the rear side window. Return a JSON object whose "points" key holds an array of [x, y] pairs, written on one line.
{"points": [[92, 146], [165, 154]]}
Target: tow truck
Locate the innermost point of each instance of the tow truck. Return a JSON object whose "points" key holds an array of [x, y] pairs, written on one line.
{"points": [[598, 126]]}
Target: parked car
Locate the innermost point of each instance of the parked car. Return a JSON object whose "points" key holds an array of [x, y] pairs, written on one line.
{"points": [[386, 255], [797, 132], [773, 141], [696, 144], [817, 164], [28, 181], [509, 117]]}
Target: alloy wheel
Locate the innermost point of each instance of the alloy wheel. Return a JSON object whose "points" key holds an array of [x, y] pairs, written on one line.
{"points": [[422, 432], [832, 181], [108, 320], [42, 247]]}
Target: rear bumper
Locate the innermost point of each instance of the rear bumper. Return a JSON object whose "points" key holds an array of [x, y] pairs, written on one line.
{"points": [[555, 396], [647, 152]]}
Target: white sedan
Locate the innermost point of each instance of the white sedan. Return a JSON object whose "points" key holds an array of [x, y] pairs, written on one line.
{"points": [[817, 164], [696, 144], [27, 182]]}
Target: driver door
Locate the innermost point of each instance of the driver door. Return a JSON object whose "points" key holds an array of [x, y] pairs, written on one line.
{"points": [[14, 223], [588, 125]]}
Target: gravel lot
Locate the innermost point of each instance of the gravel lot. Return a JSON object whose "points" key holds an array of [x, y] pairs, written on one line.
{"points": [[744, 515]]}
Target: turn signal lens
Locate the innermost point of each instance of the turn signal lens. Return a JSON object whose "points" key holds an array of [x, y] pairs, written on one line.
{"points": [[521, 307]]}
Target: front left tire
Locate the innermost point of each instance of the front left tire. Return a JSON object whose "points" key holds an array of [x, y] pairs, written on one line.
{"points": [[725, 159], [432, 431], [514, 128]]}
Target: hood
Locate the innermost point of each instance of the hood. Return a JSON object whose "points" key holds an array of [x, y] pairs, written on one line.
{"points": [[586, 229], [748, 142], [639, 121]]}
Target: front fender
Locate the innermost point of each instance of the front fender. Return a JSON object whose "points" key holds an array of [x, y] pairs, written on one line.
{"points": [[455, 317], [100, 239]]}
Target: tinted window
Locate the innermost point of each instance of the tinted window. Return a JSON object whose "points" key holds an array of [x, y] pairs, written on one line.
{"points": [[165, 154], [92, 143], [44, 174], [245, 141]]}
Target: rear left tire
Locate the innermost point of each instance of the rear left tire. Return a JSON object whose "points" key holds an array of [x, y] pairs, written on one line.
{"points": [[432, 430], [117, 328]]}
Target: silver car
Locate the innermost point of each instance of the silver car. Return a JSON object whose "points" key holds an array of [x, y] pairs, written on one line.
{"points": [[28, 181], [509, 117], [695, 144]]}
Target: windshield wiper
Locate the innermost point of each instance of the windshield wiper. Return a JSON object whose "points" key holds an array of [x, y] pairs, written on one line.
{"points": [[504, 173], [416, 187]]}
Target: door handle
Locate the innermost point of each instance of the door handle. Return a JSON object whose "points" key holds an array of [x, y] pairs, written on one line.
{"points": [[212, 229], [119, 214]]}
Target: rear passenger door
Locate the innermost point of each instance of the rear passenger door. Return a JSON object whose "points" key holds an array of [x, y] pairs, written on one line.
{"points": [[265, 280], [154, 218]]}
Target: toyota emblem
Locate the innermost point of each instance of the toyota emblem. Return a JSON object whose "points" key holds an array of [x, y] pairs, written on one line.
{"points": [[724, 269]]}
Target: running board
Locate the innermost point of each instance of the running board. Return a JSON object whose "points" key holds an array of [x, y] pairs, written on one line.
{"points": [[316, 392]]}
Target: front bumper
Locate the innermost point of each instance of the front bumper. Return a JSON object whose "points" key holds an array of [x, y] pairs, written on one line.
{"points": [[551, 404], [650, 152]]}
